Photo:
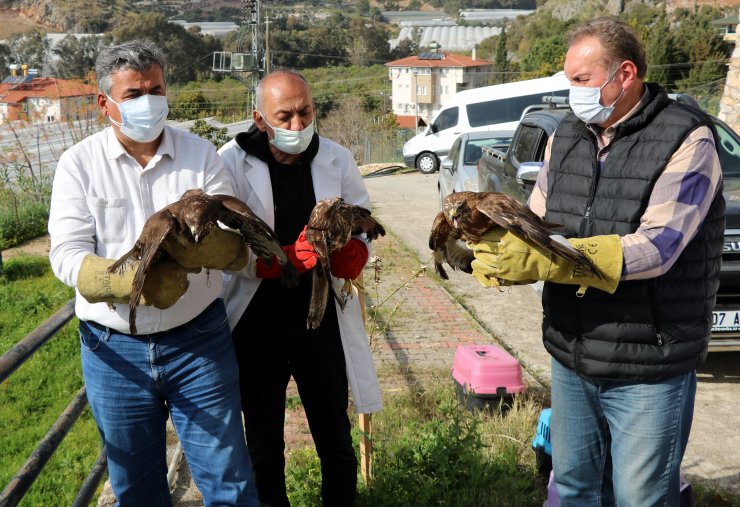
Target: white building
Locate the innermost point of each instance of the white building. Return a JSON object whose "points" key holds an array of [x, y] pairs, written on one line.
{"points": [[421, 84]]}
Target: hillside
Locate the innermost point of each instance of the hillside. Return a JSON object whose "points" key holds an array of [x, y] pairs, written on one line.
{"points": [[61, 15], [94, 16]]}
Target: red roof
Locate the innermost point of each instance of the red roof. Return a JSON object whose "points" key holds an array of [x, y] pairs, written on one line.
{"points": [[448, 60], [14, 93], [410, 122]]}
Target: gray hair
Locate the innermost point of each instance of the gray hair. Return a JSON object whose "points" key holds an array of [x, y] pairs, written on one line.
{"points": [[259, 90], [619, 40], [136, 54]]}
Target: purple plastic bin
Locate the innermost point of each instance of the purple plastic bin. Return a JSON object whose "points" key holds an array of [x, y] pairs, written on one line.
{"points": [[486, 375]]}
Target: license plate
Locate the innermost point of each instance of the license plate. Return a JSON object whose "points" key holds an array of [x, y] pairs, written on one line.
{"points": [[726, 320]]}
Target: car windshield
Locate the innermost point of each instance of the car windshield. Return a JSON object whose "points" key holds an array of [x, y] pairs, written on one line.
{"points": [[729, 151], [474, 148]]}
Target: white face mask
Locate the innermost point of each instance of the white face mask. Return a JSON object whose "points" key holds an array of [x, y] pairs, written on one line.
{"points": [[142, 118], [291, 141], [586, 102]]}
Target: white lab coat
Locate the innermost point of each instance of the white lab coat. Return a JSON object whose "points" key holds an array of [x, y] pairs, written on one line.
{"points": [[334, 173]]}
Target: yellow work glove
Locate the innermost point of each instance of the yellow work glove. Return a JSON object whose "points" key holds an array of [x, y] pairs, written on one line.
{"points": [[502, 258], [220, 249], [165, 282]]}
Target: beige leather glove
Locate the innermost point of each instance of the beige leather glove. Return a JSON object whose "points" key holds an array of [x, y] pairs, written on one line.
{"points": [[165, 282], [220, 249], [504, 256]]}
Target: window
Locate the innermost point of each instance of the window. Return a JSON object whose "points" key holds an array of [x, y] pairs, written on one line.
{"points": [[453, 154], [504, 110], [525, 144], [446, 119], [474, 148], [729, 152]]}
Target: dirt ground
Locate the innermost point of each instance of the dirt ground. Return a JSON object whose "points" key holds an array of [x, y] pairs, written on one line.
{"points": [[12, 23], [38, 246]]}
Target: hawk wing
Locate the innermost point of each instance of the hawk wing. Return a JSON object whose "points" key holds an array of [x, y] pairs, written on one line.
{"points": [[148, 248], [257, 234], [445, 243], [330, 226], [515, 217]]}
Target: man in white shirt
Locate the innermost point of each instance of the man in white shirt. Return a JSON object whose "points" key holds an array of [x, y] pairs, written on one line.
{"points": [[181, 363]]}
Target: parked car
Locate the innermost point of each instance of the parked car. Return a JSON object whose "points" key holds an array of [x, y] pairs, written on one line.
{"points": [[515, 171], [459, 170], [495, 107]]}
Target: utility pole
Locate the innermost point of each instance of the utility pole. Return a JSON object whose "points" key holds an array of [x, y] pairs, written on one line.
{"points": [[267, 45], [246, 64]]}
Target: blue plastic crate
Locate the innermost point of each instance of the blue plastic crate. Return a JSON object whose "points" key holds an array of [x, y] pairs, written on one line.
{"points": [[541, 443]]}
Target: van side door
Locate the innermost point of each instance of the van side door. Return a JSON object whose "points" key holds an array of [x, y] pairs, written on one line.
{"points": [[446, 129]]}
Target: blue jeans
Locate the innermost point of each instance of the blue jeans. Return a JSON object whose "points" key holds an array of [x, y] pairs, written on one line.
{"points": [[619, 443], [190, 373]]}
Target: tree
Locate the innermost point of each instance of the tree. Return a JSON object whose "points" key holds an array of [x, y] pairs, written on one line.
{"points": [[369, 43], [217, 136], [545, 58], [348, 125], [77, 56], [700, 44], [31, 49], [4, 58], [363, 6], [189, 104], [189, 54], [501, 62], [659, 51]]}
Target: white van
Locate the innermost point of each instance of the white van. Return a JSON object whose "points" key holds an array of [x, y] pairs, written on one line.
{"points": [[497, 107]]}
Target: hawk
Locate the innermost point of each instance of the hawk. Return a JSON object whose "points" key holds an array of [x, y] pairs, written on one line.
{"points": [[467, 216], [330, 226], [177, 230]]}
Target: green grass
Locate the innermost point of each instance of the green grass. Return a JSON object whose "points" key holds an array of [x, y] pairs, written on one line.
{"points": [[430, 451], [35, 395]]}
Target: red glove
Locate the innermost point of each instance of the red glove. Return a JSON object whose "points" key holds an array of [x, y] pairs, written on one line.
{"points": [[348, 261], [301, 254]]}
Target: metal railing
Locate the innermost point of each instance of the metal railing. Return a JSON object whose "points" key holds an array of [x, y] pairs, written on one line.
{"points": [[27, 474]]}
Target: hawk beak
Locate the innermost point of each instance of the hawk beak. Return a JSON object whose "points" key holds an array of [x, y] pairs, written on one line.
{"points": [[455, 219], [196, 234]]}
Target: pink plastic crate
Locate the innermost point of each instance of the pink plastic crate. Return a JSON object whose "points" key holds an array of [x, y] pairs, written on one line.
{"points": [[486, 374]]}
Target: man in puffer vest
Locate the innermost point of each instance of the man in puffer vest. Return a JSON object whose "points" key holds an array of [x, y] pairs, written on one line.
{"points": [[635, 179]]}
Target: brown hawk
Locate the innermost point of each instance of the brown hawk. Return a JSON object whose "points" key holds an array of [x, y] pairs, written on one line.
{"points": [[467, 216], [177, 230], [330, 227]]}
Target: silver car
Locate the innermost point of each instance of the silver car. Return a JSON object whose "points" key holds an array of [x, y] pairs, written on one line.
{"points": [[458, 171]]}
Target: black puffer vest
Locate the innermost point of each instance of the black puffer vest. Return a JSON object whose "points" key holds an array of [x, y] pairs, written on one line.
{"points": [[649, 329]]}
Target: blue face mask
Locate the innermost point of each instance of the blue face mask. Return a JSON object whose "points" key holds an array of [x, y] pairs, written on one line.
{"points": [[291, 141], [586, 102], [142, 118]]}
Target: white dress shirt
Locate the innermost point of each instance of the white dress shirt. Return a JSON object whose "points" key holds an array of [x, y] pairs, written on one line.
{"points": [[101, 199]]}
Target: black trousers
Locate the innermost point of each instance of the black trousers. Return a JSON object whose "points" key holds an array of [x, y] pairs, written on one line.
{"points": [[269, 350]]}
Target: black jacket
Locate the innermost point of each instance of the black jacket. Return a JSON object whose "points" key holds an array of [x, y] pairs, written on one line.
{"points": [[649, 329]]}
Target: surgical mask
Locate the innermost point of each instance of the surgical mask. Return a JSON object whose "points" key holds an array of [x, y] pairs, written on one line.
{"points": [[291, 141], [142, 118], [586, 102]]}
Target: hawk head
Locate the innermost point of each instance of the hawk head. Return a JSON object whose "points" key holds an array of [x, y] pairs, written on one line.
{"points": [[455, 209]]}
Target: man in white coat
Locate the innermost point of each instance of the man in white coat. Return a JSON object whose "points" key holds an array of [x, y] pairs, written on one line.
{"points": [[281, 168]]}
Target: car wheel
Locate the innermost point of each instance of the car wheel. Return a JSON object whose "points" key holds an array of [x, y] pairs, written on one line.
{"points": [[427, 163]]}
